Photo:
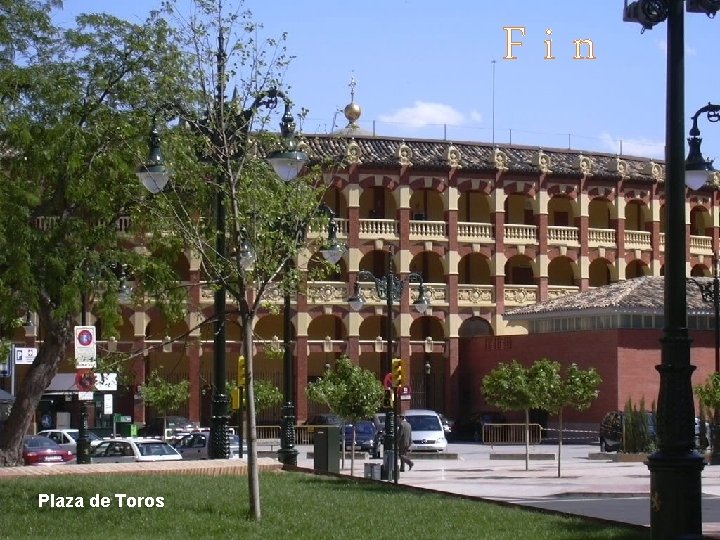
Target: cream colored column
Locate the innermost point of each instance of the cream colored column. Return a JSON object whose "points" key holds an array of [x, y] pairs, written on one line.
{"points": [[620, 261], [583, 202], [451, 199]]}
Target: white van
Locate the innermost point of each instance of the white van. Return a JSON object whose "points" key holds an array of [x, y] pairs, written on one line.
{"points": [[427, 430]]}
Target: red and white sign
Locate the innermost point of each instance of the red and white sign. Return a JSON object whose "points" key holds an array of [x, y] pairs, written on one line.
{"points": [[85, 347], [85, 380]]}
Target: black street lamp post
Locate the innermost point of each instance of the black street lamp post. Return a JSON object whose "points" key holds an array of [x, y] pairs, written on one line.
{"points": [[389, 288], [675, 468], [333, 252], [228, 128]]}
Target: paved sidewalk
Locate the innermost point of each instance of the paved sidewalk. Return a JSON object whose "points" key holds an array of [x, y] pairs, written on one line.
{"points": [[586, 477]]}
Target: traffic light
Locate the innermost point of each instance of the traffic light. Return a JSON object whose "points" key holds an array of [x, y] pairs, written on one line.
{"points": [[241, 371], [397, 369]]}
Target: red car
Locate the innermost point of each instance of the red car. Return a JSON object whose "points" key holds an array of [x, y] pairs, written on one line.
{"points": [[38, 450]]}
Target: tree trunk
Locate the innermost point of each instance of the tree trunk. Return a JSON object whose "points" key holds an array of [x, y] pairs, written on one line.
{"points": [[252, 459], [50, 354], [560, 437], [527, 439]]}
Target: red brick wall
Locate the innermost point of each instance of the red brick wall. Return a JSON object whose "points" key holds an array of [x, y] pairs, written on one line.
{"points": [[625, 359], [598, 349]]}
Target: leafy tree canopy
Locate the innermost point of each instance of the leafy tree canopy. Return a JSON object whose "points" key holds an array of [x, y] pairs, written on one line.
{"points": [[352, 392]]}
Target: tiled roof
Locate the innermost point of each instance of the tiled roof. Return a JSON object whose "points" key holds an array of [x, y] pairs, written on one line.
{"points": [[638, 295], [470, 156]]}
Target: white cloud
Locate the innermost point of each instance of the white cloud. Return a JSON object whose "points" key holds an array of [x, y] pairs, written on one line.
{"points": [[476, 117], [634, 147], [423, 114]]}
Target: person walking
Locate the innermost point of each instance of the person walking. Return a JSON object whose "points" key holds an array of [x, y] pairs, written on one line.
{"points": [[404, 443]]}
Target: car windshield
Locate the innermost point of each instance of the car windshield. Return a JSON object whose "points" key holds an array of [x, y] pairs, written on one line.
{"points": [[155, 449], [40, 442], [364, 427], [424, 423]]}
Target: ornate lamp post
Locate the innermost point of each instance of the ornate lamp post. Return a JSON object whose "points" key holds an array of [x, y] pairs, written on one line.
{"points": [[389, 288], [229, 128], [675, 468], [333, 252]]}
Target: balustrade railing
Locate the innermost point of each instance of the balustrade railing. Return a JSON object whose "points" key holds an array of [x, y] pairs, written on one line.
{"points": [[563, 235], [520, 234], [475, 232], [378, 228], [601, 238], [428, 229], [637, 239]]}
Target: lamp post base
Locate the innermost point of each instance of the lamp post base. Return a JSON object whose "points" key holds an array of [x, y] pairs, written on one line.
{"points": [[676, 495], [288, 454]]}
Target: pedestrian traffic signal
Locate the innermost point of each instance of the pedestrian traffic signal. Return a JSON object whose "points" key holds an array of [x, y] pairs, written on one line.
{"points": [[397, 369], [241, 371], [388, 399]]}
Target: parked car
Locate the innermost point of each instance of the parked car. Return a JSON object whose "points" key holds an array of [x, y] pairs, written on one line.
{"points": [[470, 427], [427, 430], [447, 425], [175, 426], [364, 435], [129, 450], [68, 438], [612, 429], [39, 450], [196, 445]]}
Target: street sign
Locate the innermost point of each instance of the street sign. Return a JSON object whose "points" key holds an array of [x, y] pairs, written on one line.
{"points": [[25, 355], [107, 404], [85, 347], [106, 382]]}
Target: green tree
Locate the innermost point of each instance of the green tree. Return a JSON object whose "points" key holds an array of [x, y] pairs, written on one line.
{"points": [[74, 116], [220, 150], [709, 396], [578, 389], [267, 395], [352, 392], [164, 395], [510, 387]]}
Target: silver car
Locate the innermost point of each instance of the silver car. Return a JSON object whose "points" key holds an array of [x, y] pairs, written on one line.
{"points": [[68, 438], [129, 450], [196, 445]]}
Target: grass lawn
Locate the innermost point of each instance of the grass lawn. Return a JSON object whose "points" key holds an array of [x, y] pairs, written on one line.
{"points": [[294, 505]]}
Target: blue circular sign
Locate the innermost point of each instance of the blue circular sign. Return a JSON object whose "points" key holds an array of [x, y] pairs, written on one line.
{"points": [[85, 338]]}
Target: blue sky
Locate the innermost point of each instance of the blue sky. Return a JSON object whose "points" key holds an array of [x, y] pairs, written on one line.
{"points": [[425, 69]]}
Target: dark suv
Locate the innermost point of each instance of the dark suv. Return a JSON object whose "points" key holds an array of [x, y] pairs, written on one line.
{"points": [[612, 429]]}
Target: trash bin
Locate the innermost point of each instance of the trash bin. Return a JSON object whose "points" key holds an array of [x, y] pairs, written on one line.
{"points": [[327, 449], [373, 470]]}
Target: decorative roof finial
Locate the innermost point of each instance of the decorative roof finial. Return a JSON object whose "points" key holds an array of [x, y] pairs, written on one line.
{"points": [[352, 110]]}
